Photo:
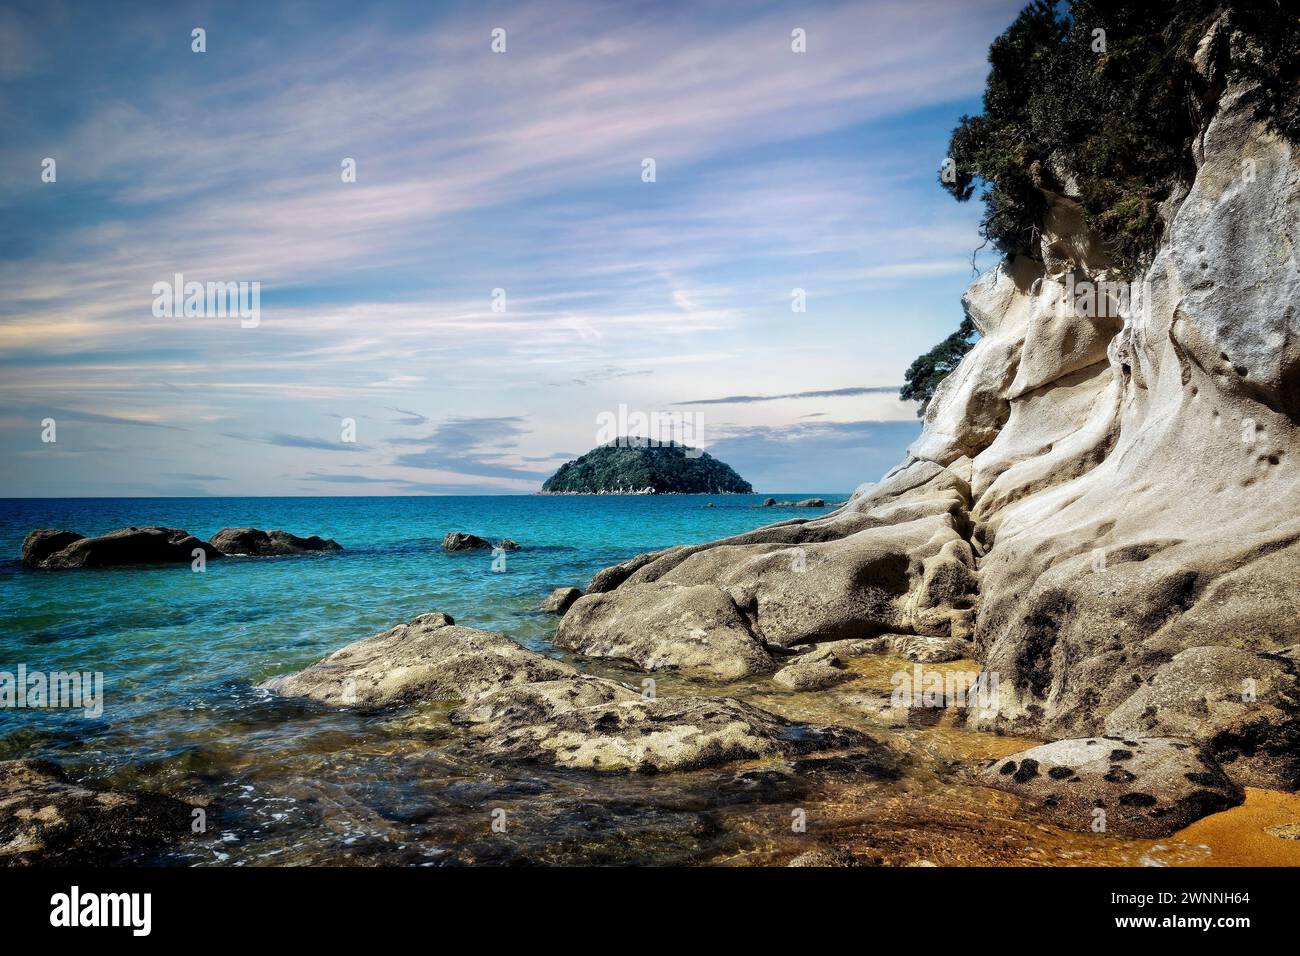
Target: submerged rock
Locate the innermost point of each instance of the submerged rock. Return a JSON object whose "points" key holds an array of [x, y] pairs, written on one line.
{"points": [[47, 820], [126, 546], [808, 673], [1144, 787], [258, 543], [429, 659], [560, 600]]}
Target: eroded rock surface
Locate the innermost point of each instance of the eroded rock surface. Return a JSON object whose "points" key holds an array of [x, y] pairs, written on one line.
{"points": [[1144, 787], [518, 705], [1104, 504]]}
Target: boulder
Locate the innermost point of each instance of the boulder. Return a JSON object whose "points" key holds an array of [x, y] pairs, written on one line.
{"points": [[1145, 787], [560, 600], [258, 543], [811, 503], [698, 630], [663, 734], [1245, 705], [506, 544], [41, 544], [48, 820], [769, 502], [429, 659], [460, 541], [808, 673], [126, 546]]}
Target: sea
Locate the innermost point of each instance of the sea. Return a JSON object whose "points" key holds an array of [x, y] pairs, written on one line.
{"points": [[181, 652]]}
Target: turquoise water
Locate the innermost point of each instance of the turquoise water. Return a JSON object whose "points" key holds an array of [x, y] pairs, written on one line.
{"points": [[181, 651]]}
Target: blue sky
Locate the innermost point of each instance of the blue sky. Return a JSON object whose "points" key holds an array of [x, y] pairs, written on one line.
{"points": [[476, 171]]}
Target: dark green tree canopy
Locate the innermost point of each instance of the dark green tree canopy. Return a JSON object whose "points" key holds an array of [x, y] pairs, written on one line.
{"points": [[1105, 93], [925, 374]]}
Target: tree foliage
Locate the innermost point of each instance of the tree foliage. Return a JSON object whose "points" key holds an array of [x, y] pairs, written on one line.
{"points": [[925, 374], [632, 464]]}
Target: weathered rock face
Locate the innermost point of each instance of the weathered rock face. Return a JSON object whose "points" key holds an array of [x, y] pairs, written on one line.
{"points": [[126, 546], [258, 543], [46, 820], [1144, 787], [1105, 496]]}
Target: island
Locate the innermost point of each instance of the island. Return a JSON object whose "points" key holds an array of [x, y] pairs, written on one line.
{"points": [[632, 466]]}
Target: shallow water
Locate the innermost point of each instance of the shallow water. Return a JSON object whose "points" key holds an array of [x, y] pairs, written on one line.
{"points": [[288, 783]]}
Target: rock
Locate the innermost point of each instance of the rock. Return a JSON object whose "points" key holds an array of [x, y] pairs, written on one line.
{"points": [[525, 704], [808, 674], [662, 735], [41, 544], [830, 856], [429, 659], [769, 502], [560, 600], [1245, 705], [505, 544], [811, 503], [258, 543], [460, 541], [126, 546], [47, 820], [698, 630], [1148, 786]]}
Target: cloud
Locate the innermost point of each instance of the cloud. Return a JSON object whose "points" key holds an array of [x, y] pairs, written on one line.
{"points": [[412, 418], [824, 393]]}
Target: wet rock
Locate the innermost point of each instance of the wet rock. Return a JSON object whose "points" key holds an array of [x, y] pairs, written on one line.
{"points": [[661, 735], [41, 544], [429, 659], [698, 630], [875, 760], [808, 674], [258, 543], [560, 600], [1162, 785], [47, 820], [769, 502], [506, 544], [810, 503], [830, 856], [126, 546], [460, 541]]}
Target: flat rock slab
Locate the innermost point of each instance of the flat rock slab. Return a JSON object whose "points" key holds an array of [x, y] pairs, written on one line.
{"points": [[816, 674], [1146, 787], [681, 733], [429, 659], [47, 820], [255, 542]]}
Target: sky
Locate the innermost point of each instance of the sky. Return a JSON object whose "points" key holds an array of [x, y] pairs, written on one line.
{"points": [[502, 272]]}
